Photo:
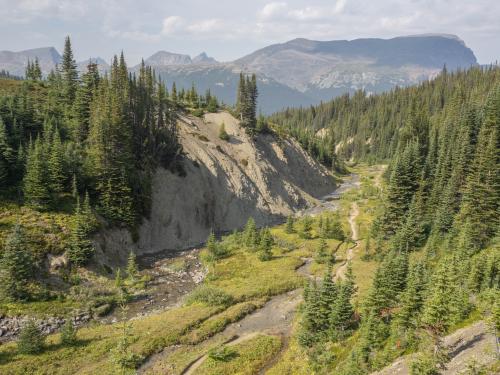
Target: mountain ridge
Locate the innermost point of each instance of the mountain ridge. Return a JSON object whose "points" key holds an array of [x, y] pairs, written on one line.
{"points": [[301, 70]]}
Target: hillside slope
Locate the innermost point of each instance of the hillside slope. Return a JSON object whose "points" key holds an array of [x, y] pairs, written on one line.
{"points": [[224, 184]]}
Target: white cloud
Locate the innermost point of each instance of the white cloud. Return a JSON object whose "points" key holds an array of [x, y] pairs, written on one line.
{"points": [[272, 10], [276, 11], [192, 22], [172, 24], [27, 10], [206, 26]]}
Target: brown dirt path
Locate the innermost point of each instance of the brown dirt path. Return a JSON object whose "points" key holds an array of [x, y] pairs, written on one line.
{"points": [[276, 316], [353, 213]]}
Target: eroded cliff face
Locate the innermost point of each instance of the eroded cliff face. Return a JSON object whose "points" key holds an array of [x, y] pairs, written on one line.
{"points": [[225, 183]]}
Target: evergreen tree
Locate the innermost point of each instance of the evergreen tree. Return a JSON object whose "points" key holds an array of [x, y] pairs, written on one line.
{"points": [[68, 333], [83, 100], [81, 249], [327, 298], [321, 254], [173, 95], [412, 298], [6, 155], [16, 266], [246, 104], [265, 245], [342, 312], [437, 310], [31, 339], [306, 228], [312, 318], [37, 72], [69, 73], [334, 229], [413, 232], [250, 234], [482, 192], [289, 225], [132, 268], [118, 279], [55, 165], [402, 185], [241, 100], [36, 192], [74, 187]]}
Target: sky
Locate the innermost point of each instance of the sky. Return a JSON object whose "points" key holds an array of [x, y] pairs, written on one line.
{"points": [[229, 29]]}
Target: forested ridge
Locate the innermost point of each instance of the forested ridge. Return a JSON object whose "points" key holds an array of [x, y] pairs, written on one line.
{"points": [[436, 231], [68, 134], [78, 152], [367, 127]]}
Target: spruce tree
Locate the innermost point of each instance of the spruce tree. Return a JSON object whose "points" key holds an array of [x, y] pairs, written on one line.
{"points": [[250, 235], [321, 254], [342, 311], [306, 228], [482, 191], [437, 310], [83, 98], [31, 339], [265, 245], [402, 185], [81, 248], [412, 299], [312, 318], [327, 297], [241, 95], [290, 225], [173, 95], [68, 333], [37, 71], [6, 155], [55, 166], [132, 268], [36, 192], [69, 73], [16, 266]]}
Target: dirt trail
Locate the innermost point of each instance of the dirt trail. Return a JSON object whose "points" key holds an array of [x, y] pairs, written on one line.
{"points": [[353, 214], [276, 316]]}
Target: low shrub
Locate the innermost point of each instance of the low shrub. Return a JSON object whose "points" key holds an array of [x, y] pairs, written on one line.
{"points": [[210, 296], [222, 354], [31, 339]]}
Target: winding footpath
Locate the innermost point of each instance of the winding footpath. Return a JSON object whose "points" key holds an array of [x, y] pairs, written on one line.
{"points": [[276, 317], [353, 214]]}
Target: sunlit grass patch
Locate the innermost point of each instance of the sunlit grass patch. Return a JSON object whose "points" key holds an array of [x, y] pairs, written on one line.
{"points": [[249, 357]]}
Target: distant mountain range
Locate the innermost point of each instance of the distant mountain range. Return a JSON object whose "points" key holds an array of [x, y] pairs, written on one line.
{"points": [[298, 72]]}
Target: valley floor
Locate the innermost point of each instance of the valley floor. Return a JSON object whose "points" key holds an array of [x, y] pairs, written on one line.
{"points": [[256, 331]]}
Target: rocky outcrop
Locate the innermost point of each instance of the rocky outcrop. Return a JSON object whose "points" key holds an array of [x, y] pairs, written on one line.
{"points": [[223, 184], [10, 327]]}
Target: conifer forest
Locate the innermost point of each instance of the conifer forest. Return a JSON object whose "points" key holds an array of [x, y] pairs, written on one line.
{"points": [[152, 226]]}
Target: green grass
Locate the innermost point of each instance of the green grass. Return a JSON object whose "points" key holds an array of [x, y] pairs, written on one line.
{"points": [[91, 356], [244, 276], [249, 281], [250, 356], [47, 232], [218, 322]]}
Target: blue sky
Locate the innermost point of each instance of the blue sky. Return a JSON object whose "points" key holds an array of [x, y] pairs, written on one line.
{"points": [[228, 29]]}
